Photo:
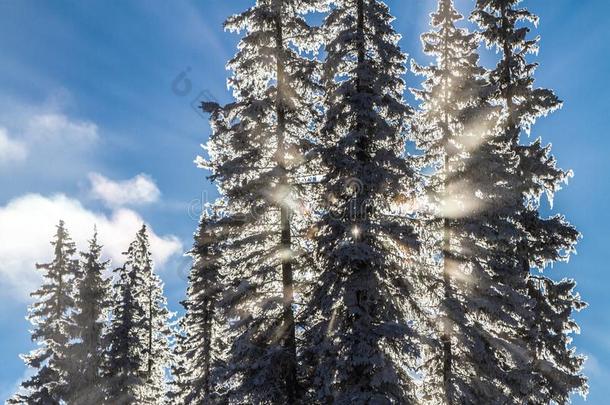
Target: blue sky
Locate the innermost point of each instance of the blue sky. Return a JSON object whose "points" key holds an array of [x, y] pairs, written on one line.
{"points": [[96, 127]]}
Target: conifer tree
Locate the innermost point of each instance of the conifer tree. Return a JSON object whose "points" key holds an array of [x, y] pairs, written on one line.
{"points": [[200, 348], [453, 128], [257, 150], [360, 339], [124, 357], [85, 383], [549, 370], [178, 386], [50, 315], [138, 337]]}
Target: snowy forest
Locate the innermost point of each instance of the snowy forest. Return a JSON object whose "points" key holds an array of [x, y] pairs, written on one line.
{"points": [[361, 251]]}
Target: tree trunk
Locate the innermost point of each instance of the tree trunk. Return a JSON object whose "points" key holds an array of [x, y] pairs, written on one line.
{"points": [[150, 327], [447, 332], [447, 328], [288, 328], [207, 345], [360, 88]]}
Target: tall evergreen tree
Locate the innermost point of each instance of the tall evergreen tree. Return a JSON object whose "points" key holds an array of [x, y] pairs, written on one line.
{"points": [[124, 356], [200, 349], [482, 348], [50, 315], [85, 382], [551, 370], [257, 150], [453, 127], [138, 337], [178, 386], [361, 342]]}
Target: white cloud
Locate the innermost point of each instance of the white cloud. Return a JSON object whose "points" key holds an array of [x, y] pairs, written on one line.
{"points": [[27, 225], [11, 150], [136, 191]]}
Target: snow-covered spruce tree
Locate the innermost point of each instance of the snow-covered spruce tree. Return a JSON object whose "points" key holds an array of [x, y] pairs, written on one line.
{"points": [[138, 337], [50, 315], [360, 338], [256, 157], [178, 386], [200, 346], [85, 381], [550, 370], [453, 127], [124, 358]]}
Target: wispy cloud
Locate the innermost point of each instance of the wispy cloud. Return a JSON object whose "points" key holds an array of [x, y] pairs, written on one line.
{"points": [[195, 27], [58, 128], [139, 190], [11, 150], [594, 368], [44, 142]]}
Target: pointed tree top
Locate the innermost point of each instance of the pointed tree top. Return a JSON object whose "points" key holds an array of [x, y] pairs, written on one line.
{"points": [[446, 12]]}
